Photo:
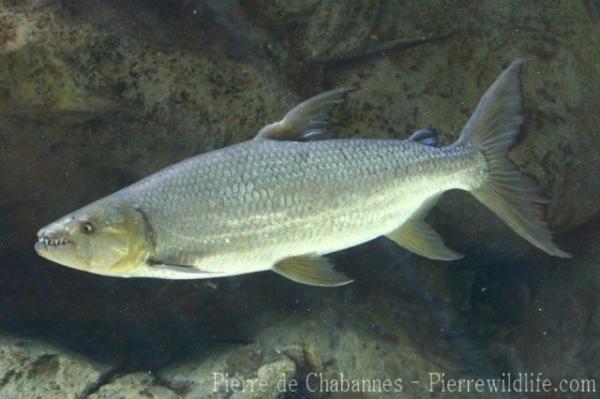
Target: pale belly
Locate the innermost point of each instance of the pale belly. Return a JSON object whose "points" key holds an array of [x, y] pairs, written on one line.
{"points": [[331, 233]]}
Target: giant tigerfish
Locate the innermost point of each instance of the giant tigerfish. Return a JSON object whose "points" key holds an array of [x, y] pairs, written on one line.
{"points": [[285, 198]]}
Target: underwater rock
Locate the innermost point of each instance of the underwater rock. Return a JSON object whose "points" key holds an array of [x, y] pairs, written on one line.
{"points": [[37, 370], [268, 381], [138, 385], [320, 31], [231, 371], [330, 33]]}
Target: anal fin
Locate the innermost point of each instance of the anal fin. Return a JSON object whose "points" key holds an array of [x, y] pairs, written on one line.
{"points": [[311, 270], [420, 238]]}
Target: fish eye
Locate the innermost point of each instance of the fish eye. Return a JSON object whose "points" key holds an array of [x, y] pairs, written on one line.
{"points": [[86, 227]]}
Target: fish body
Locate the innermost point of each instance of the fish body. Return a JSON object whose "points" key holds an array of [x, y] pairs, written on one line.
{"points": [[279, 202], [245, 207]]}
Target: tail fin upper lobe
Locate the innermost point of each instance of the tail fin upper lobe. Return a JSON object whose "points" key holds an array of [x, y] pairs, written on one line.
{"points": [[492, 130]]}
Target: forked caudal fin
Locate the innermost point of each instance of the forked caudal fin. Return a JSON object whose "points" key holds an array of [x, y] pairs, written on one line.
{"points": [[492, 130]]}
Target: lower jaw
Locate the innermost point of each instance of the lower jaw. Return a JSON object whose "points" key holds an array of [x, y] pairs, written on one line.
{"points": [[41, 248], [46, 251]]}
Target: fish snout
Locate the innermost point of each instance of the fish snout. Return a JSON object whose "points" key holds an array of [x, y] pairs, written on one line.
{"points": [[51, 237]]}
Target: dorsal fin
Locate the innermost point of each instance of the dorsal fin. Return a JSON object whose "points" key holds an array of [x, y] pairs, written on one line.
{"points": [[426, 137], [307, 119]]}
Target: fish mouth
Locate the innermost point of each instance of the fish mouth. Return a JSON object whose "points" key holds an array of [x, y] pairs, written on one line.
{"points": [[46, 243]]}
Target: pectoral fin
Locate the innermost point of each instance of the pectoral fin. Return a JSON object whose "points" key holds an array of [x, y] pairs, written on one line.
{"points": [[421, 239], [311, 270], [308, 119]]}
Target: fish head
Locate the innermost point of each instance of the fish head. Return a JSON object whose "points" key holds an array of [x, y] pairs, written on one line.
{"points": [[102, 238]]}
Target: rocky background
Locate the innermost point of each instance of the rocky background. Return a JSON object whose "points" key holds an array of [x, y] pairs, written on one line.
{"points": [[95, 95]]}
